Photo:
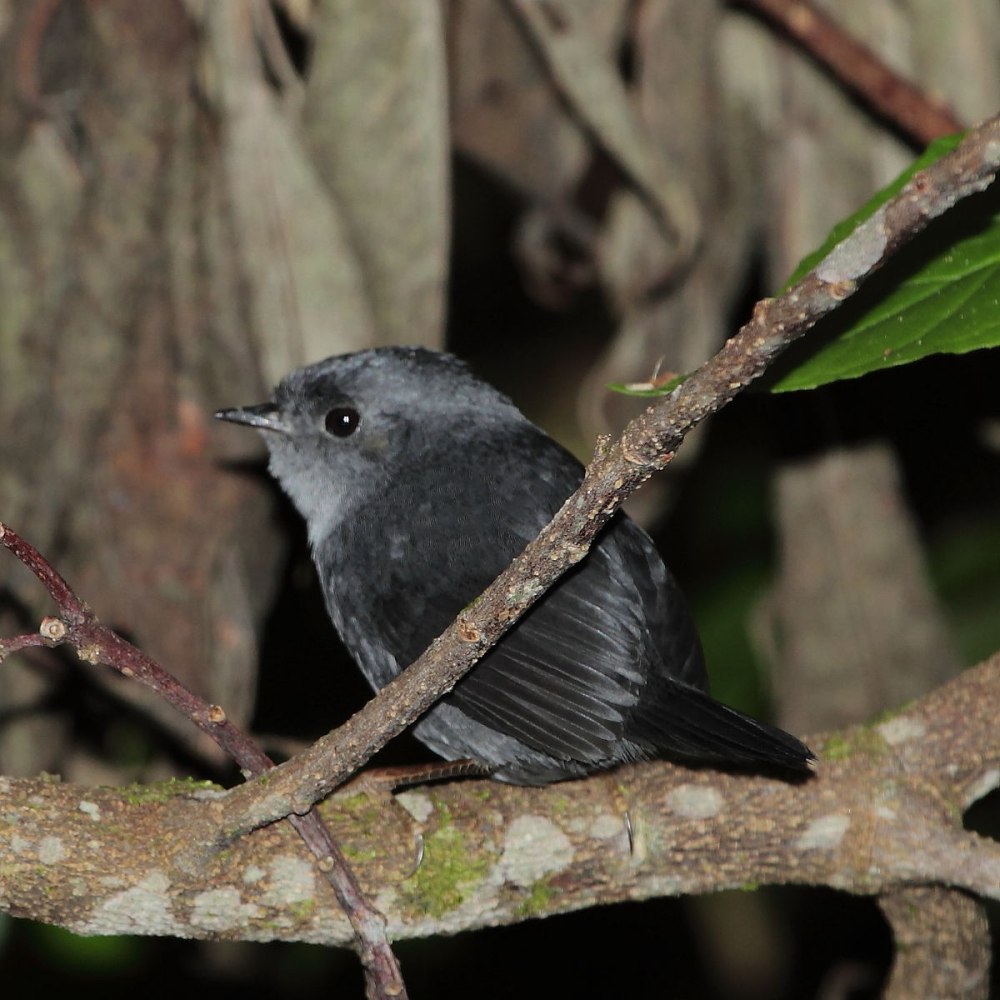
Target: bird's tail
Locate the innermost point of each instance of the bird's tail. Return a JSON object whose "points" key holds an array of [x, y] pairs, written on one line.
{"points": [[689, 723]]}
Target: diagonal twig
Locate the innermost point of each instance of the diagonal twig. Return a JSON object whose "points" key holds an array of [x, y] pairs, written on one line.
{"points": [[920, 116]]}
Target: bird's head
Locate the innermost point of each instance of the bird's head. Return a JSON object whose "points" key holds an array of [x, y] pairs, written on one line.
{"points": [[344, 429]]}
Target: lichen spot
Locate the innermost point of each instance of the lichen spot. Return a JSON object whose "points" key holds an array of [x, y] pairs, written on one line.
{"points": [[901, 730], [144, 907], [21, 845], [417, 804], [253, 874], [606, 826], [292, 881], [824, 833], [91, 809], [695, 802], [533, 848], [51, 851], [854, 257], [221, 910]]}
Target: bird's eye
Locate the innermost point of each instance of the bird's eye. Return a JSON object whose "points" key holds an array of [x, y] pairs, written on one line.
{"points": [[342, 421]]}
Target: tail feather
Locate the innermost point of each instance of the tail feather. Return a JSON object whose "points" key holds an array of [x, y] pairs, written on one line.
{"points": [[687, 722]]}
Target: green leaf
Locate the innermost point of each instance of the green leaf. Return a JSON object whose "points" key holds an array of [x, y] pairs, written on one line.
{"points": [[941, 294]]}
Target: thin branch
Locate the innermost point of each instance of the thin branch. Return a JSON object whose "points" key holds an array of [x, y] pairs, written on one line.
{"points": [[647, 445], [94, 642], [18, 642], [920, 116]]}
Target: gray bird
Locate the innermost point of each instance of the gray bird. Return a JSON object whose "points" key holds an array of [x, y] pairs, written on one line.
{"points": [[419, 483]]}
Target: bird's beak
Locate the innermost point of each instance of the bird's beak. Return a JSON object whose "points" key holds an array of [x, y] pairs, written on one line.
{"points": [[263, 416]]}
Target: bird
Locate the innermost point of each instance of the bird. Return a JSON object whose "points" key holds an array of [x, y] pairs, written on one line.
{"points": [[419, 483]]}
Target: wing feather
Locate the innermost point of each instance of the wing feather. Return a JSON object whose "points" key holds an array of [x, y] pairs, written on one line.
{"points": [[564, 679]]}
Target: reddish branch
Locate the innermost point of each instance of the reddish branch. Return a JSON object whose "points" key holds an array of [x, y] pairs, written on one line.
{"points": [[94, 642], [921, 116]]}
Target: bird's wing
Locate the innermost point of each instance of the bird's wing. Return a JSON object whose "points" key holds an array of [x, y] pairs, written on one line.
{"points": [[564, 678]]}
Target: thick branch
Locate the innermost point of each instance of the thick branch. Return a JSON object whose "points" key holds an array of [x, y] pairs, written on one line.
{"points": [[647, 445], [883, 814]]}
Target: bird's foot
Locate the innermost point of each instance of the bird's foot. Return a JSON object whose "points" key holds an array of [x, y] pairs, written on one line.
{"points": [[386, 780]]}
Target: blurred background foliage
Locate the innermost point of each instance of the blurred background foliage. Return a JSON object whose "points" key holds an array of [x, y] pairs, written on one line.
{"points": [[198, 196]]}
